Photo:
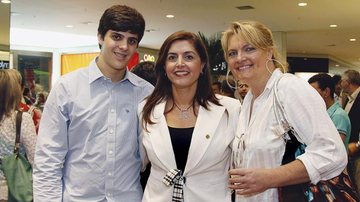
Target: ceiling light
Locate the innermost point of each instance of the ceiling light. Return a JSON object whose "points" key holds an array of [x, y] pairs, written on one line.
{"points": [[337, 65], [150, 30], [352, 39], [69, 26], [170, 16], [332, 26], [87, 23], [5, 1], [302, 4]]}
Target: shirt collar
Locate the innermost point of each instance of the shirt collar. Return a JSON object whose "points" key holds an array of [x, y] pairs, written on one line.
{"points": [[94, 71], [95, 74], [274, 76], [354, 95]]}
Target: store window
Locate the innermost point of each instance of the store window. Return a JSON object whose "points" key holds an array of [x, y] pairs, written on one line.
{"points": [[35, 67]]}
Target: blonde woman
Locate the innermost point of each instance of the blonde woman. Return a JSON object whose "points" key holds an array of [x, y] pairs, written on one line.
{"points": [[259, 147]]}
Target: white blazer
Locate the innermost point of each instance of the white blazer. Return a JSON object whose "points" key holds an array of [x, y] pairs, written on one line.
{"points": [[208, 162]]}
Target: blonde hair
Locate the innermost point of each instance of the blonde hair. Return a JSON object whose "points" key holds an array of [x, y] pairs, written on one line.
{"points": [[10, 92], [257, 35]]}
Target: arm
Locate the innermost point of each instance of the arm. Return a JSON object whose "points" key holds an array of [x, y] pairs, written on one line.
{"points": [[343, 136], [325, 156], [51, 148], [252, 181]]}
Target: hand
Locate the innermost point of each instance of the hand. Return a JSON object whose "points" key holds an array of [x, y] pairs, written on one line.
{"points": [[249, 181], [353, 149]]}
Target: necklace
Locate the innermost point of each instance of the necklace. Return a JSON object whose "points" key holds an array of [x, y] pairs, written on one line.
{"points": [[184, 113]]}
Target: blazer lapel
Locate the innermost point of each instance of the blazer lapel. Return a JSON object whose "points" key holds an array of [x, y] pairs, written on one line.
{"points": [[160, 138], [205, 127]]}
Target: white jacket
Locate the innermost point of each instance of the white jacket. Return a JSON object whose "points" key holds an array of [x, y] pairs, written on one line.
{"points": [[208, 162]]}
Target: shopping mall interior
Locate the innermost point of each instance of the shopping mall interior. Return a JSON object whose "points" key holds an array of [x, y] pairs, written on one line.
{"points": [[45, 39]]}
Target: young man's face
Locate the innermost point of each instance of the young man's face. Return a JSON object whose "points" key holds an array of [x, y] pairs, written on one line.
{"points": [[117, 49]]}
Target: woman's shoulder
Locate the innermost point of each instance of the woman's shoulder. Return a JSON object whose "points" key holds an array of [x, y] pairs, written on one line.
{"points": [[291, 83]]}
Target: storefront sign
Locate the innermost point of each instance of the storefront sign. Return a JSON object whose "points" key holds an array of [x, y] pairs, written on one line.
{"points": [[4, 64], [148, 57]]}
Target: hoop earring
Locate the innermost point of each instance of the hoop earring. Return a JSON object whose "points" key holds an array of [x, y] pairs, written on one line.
{"points": [[227, 81], [274, 60]]}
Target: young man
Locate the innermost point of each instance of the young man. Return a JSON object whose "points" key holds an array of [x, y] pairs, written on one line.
{"points": [[87, 148]]}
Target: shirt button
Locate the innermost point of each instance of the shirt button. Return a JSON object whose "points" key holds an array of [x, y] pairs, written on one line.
{"points": [[112, 110], [109, 175], [109, 194], [110, 152], [111, 131]]}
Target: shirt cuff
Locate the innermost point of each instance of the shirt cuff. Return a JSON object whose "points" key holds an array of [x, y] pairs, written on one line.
{"points": [[314, 175]]}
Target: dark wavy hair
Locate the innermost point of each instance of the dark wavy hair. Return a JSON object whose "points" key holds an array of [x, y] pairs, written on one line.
{"points": [[122, 18], [324, 81], [163, 90]]}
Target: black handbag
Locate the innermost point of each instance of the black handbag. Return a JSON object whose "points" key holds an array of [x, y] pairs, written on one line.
{"points": [[337, 189]]}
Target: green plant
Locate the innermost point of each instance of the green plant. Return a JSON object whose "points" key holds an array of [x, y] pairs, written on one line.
{"points": [[216, 55]]}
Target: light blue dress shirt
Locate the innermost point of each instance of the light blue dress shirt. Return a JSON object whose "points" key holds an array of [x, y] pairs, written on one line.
{"points": [[341, 121], [88, 146]]}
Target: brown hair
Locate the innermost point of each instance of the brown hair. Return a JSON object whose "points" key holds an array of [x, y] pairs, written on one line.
{"points": [[122, 18], [10, 92]]}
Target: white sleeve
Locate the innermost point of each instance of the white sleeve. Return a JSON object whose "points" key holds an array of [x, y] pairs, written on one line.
{"points": [[51, 148], [143, 154], [325, 155]]}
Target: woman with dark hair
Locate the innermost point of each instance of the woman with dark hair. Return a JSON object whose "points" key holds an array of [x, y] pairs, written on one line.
{"points": [[187, 130]]}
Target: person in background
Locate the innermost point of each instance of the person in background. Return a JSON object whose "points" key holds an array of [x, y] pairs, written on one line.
{"points": [[216, 87], [10, 97], [241, 90], [29, 108], [187, 129], [40, 100], [325, 86], [250, 51], [88, 147], [350, 84], [146, 70], [227, 88], [27, 96]]}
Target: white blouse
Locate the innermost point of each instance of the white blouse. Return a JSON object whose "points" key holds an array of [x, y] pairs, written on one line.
{"points": [[258, 145]]}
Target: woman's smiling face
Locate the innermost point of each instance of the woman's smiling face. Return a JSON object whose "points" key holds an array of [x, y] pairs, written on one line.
{"points": [[246, 62], [183, 64]]}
